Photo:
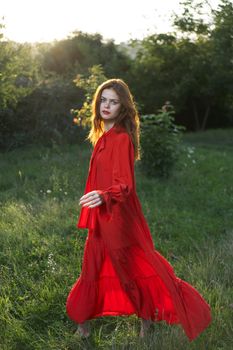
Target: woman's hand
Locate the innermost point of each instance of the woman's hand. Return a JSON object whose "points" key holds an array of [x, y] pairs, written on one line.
{"points": [[91, 199]]}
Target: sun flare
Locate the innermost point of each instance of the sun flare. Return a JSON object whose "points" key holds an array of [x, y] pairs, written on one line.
{"points": [[47, 20]]}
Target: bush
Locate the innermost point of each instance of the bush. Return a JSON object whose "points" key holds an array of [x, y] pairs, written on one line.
{"points": [[160, 139], [44, 116]]}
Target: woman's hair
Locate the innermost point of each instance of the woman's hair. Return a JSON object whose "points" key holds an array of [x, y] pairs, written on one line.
{"points": [[128, 117]]}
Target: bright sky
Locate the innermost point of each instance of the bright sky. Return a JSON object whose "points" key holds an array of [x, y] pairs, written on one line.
{"points": [[121, 20]]}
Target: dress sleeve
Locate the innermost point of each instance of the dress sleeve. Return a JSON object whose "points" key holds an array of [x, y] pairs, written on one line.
{"points": [[123, 180]]}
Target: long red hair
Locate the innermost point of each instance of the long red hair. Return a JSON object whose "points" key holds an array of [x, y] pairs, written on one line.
{"points": [[128, 117]]}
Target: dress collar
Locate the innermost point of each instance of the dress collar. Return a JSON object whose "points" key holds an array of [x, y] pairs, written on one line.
{"points": [[108, 131], [100, 145]]}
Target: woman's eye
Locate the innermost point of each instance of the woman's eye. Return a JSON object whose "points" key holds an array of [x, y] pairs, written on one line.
{"points": [[102, 99]]}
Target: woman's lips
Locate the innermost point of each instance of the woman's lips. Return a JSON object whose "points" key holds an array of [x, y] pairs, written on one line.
{"points": [[106, 112]]}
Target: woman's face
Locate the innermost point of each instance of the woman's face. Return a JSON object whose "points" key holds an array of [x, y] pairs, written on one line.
{"points": [[109, 104]]}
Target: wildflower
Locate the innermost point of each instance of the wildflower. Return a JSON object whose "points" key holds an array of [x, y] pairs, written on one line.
{"points": [[48, 191], [51, 263], [190, 150]]}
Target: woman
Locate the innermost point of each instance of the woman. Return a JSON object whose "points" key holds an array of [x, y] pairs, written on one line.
{"points": [[122, 273]]}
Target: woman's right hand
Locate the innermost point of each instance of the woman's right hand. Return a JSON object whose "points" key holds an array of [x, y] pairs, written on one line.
{"points": [[91, 199]]}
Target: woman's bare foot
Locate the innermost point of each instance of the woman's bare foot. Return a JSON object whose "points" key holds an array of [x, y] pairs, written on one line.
{"points": [[83, 330], [145, 325]]}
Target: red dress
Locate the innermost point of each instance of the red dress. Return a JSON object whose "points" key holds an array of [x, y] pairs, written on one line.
{"points": [[122, 272]]}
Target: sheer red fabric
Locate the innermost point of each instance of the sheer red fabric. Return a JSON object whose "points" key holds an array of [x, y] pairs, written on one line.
{"points": [[122, 272]]}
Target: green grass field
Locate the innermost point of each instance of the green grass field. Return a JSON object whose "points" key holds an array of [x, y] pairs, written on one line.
{"points": [[191, 220]]}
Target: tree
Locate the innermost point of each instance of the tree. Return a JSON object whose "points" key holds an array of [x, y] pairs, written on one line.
{"points": [[222, 62], [18, 77], [188, 67], [80, 51], [211, 67]]}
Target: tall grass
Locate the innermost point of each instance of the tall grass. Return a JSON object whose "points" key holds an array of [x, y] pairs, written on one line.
{"points": [[191, 220]]}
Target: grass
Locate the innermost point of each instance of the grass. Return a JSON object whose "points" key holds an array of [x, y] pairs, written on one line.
{"points": [[191, 220]]}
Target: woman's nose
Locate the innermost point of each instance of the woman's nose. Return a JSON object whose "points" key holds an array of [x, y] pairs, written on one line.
{"points": [[107, 104]]}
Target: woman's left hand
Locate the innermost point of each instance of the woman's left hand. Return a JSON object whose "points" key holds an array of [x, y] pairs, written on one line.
{"points": [[91, 199]]}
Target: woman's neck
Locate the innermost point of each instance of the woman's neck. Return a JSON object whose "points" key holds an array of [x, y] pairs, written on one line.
{"points": [[108, 126]]}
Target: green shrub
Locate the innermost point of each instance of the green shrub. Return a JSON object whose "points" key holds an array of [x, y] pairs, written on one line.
{"points": [[160, 139], [43, 116], [89, 84]]}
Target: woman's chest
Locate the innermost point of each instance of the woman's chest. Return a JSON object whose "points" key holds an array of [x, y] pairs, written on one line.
{"points": [[103, 160], [102, 169]]}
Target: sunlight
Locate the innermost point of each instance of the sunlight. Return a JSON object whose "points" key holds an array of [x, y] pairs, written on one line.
{"points": [[43, 20], [35, 21]]}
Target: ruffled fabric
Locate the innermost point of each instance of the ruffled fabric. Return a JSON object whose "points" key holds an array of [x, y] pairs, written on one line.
{"points": [[99, 291], [117, 193]]}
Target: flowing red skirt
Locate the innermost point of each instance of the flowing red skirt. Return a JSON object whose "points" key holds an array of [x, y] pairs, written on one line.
{"points": [[98, 291]]}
